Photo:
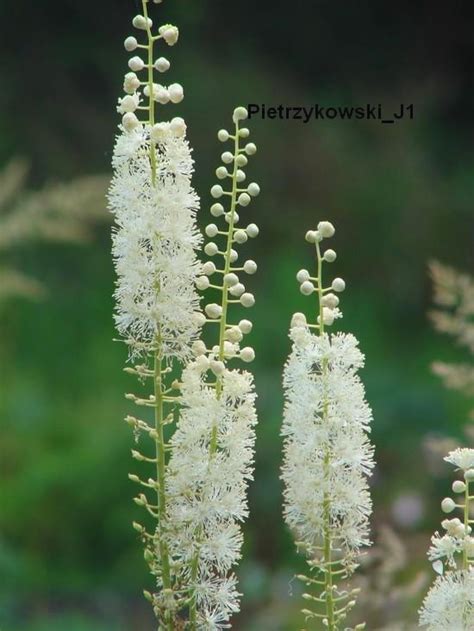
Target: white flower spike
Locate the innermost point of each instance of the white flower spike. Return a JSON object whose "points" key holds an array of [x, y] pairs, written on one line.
{"points": [[327, 454], [449, 603], [157, 306], [212, 449]]}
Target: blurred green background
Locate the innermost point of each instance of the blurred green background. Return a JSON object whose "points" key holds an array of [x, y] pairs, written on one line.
{"points": [[399, 195]]}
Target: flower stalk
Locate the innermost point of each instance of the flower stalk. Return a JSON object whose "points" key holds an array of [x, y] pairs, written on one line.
{"points": [[449, 603], [327, 453], [215, 431], [154, 246]]}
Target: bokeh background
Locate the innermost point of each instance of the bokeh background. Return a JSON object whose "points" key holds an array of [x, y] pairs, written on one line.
{"points": [[399, 195]]}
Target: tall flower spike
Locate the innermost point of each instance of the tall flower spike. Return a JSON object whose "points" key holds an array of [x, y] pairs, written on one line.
{"points": [[154, 244], [449, 603], [213, 446], [327, 453]]}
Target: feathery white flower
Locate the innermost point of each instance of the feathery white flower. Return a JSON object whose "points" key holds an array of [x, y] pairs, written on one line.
{"points": [[207, 494], [462, 458], [326, 421], [154, 243], [327, 453], [211, 458], [449, 604]]}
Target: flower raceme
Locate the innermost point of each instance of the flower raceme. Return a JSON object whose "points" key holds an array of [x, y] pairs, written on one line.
{"points": [[449, 603], [212, 453], [154, 204], [327, 453], [154, 248]]}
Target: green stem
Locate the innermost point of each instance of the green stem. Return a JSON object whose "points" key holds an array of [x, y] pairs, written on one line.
{"points": [[160, 445], [327, 544], [222, 330], [465, 562]]}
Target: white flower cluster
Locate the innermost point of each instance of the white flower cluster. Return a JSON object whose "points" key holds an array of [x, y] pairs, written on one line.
{"points": [[154, 243], [326, 421], [207, 495], [212, 448], [327, 453], [154, 205], [449, 604], [450, 601], [134, 87]]}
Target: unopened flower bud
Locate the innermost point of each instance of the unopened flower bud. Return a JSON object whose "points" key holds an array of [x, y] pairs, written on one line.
{"points": [[217, 367], [212, 230], [217, 210], [231, 279], [244, 199], [223, 135], [247, 354], [448, 505], [326, 229], [130, 44], [234, 255], [232, 215], [199, 319], [253, 189], [252, 230], [130, 121], [131, 83], [237, 290], [298, 319], [245, 326], [247, 300], [169, 33], [307, 288], [140, 22], [209, 268], [302, 275], [178, 127], [338, 284], [158, 132], [161, 94], [162, 64], [234, 334], [330, 256], [241, 160], [250, 267], [330, 300], [202, 282], [250, 149], [211, 249], [240, 114], [310, 236], [222, 173], [240, 236], [459, 486], [328, 316], [176, 92], [217, 191], [227, 157], [213, 310], [136, 64]]}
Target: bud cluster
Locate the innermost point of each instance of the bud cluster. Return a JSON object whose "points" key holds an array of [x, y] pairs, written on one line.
{"points": [[143, 89], [228, 273], [309, 284]]}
